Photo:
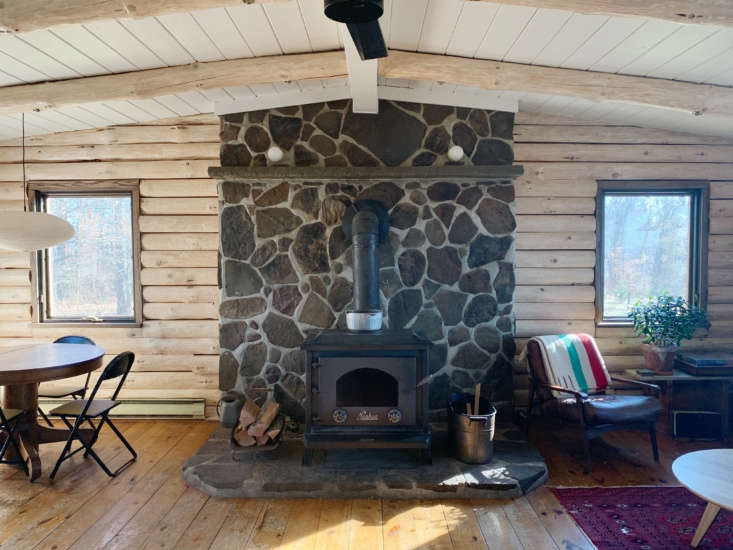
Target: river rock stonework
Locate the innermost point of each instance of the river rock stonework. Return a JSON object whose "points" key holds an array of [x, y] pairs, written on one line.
{"points": [[402, 134], [446, 269]]}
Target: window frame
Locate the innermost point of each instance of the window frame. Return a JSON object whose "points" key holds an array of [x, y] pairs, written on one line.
{"points": [[699, 190], [36, 191]]}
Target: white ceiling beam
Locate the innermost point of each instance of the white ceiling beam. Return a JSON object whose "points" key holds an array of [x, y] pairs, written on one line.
{"points": [[362, 76], [284, 99], [492, 101]]}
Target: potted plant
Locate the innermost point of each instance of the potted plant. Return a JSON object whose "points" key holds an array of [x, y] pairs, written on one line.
{"points": [[664, 322]]}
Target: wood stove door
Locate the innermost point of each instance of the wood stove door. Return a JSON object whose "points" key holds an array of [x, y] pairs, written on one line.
{"points": [[366, 391]]}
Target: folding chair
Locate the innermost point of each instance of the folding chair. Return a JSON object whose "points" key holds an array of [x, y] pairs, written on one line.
{"points": [[9, 419], [58, 392], [87, 410]]}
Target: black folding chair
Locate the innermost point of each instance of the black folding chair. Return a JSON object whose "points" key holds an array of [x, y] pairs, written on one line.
{"points": [[9, 419], [59, 392], [88, 410]]}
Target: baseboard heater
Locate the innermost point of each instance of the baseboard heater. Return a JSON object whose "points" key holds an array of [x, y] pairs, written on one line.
{"points": [[140, 408]]}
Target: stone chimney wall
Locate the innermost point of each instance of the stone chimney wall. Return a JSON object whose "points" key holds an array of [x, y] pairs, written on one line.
{"points": [[447, 268]]}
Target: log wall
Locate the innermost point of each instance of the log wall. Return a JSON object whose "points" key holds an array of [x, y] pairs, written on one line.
{"points": [[177, 346], [556, 225]]}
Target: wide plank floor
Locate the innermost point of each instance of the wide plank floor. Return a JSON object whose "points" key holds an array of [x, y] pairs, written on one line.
{"points": [[149, 506]]}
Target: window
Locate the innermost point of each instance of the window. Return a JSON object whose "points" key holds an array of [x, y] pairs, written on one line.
{"points": [[92, 278], [651, 240]]}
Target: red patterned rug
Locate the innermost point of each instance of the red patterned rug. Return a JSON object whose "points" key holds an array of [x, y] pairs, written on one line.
{"points": [[644, 518]]}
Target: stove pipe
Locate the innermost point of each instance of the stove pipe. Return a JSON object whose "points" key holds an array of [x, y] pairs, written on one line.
{"points": [[366, 223], [365, 235]]}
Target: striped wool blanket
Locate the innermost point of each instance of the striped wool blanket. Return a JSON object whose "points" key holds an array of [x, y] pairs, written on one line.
{"points": [[574, 362]]}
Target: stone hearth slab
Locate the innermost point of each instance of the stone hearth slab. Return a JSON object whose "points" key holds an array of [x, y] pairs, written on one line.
{"points": [[219, 470]]}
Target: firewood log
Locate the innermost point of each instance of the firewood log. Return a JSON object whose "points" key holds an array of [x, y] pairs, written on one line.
{"points": [[242, 438], [267, 414], [249, 413], [273, 431]]}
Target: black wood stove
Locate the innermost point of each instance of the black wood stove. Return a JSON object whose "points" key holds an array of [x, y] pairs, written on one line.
{"points": [[366, 387], [367, 390]]}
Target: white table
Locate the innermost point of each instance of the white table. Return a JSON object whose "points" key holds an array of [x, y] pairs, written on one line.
{"points": [[709, 475]]}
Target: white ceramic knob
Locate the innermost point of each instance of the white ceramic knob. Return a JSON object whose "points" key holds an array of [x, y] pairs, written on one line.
{"points": [[455, 153], [275, 154]]}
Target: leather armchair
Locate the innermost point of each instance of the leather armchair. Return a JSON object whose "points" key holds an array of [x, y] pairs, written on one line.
{"points": [[595, 413]]}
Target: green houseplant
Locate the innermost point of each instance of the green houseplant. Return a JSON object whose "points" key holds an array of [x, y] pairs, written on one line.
{"points": [[664, 322]]}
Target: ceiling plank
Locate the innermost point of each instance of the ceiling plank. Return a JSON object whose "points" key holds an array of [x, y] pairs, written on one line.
{"points": [[593, 86], [28, 15], [171, 80]]}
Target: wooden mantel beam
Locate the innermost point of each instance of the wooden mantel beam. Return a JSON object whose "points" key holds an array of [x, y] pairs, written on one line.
{"points": [[594, 86], [488, 75], [171, 80], [28, 15]]}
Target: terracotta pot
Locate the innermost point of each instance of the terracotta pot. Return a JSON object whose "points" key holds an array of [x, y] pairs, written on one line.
{"points": [[659, 359]]}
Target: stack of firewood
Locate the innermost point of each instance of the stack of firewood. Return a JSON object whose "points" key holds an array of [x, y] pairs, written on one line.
{"points": [[258, 425]]}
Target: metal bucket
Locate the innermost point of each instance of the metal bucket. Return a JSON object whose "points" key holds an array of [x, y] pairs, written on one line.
{"points": [[472, 437], [229, 407]]}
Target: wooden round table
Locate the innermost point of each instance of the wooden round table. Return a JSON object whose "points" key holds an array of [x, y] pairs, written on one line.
{"points": [[709, 475], [22, 368]]}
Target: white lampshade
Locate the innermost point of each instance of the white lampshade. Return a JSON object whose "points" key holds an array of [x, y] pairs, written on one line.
{"points": [[28, 231]]}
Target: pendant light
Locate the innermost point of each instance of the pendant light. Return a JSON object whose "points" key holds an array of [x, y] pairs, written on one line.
{"points": [[28, 231]]}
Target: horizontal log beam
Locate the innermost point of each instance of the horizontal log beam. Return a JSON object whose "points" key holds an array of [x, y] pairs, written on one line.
{"points": [[171, 80], [31, 15], [593, 86], [125, 135], [485, 74], [705, 12]]}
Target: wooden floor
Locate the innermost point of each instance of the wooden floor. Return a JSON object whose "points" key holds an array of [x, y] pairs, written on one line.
{"points": [[149, 506]]}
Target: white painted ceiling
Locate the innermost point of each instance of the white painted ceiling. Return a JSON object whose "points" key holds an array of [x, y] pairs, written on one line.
{"points": [[634, 46]]}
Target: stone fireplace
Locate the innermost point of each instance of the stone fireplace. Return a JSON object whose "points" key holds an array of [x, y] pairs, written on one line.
{"points": [[446, 269]]}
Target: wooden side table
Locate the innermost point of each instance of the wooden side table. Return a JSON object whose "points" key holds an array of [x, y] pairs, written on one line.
{"points": [[709, 475], [718, 401]]}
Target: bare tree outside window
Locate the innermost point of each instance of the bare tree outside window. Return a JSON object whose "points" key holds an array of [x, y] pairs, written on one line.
{"points": [[647, 248], [91, 277]]}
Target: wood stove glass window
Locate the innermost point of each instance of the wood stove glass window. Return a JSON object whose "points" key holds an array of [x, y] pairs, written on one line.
{"points": [[367, 388]]}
